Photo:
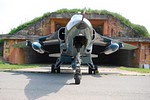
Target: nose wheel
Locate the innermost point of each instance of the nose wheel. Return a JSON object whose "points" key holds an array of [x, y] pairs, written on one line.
{"points": [[77, 76]]}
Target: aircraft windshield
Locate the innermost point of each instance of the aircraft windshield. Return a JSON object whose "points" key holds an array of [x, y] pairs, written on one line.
{"points": [[76, 17]]}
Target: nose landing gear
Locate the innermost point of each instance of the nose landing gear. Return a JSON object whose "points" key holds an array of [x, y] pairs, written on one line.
{"points": [[77, 76]]}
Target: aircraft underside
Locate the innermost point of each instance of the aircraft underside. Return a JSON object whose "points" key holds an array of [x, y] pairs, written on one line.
{"points": [[92, 69], [78, 58]]}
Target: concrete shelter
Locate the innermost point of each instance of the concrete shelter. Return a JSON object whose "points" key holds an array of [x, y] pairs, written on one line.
{"points": [[105, 25]]}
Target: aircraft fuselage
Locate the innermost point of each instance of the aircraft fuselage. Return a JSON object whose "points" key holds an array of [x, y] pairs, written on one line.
{"points": [[78, 37]]}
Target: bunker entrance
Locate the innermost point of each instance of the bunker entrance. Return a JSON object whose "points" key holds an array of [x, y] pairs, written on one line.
{"points": [[32, 57], [119, 58]]}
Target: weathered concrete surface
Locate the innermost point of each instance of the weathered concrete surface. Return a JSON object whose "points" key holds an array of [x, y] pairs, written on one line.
{"points": [[45, 86]]}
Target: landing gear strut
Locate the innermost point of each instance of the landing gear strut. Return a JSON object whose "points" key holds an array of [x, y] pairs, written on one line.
{"points": [[76, 65], [55, 68], [92, 69]]}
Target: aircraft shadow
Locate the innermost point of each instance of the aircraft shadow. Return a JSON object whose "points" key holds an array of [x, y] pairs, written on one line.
{"points": [[42, 84]]}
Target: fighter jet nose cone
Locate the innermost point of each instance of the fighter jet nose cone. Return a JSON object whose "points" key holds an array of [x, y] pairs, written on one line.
{"points": [[81, 25]]}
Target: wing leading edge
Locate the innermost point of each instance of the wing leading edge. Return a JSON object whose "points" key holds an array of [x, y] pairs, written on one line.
{"points": [[105, 41]]}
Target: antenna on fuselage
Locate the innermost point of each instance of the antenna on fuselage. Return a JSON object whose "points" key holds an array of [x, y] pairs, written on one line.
{"points": [[83, 13]]}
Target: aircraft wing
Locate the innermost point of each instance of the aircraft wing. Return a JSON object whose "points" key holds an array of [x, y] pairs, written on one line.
{"points": [[105, 41], [51, 39]]}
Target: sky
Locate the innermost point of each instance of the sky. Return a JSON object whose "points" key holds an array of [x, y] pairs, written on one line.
{"points": [[17, 12]]}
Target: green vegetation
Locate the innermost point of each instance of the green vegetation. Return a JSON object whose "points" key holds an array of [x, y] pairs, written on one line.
{"points": [[10, 66], [1, 40], [140, 70], [22, 26], [90, 11], [1, 54], [139, 29]]}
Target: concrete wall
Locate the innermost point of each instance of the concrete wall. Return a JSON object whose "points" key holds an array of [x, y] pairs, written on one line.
{"points": [[11, 54], [116, 28], [41, 27]]}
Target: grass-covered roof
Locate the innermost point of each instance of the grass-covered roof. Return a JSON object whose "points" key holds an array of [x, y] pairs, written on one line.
{"points": [[139, 29]]}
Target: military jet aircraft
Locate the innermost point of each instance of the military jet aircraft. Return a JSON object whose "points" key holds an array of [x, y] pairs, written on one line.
{"points": [[76, 43]]}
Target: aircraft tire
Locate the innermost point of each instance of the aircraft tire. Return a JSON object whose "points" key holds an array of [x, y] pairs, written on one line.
{"points": [[90, 70], [58, 70], [52, 68], [93, 71], [77, 81], [55, 70], [77, 78]]}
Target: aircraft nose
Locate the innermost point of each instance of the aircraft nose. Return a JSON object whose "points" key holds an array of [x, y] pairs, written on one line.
{"points": [[81, 25]]}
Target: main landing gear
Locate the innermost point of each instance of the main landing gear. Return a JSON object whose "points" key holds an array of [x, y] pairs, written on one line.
{"points": [[77, 73], [55, 70], [92, 69]]}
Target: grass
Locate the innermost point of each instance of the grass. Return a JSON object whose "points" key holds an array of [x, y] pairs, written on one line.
{"points": [[12, 66], [140, 70]]}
